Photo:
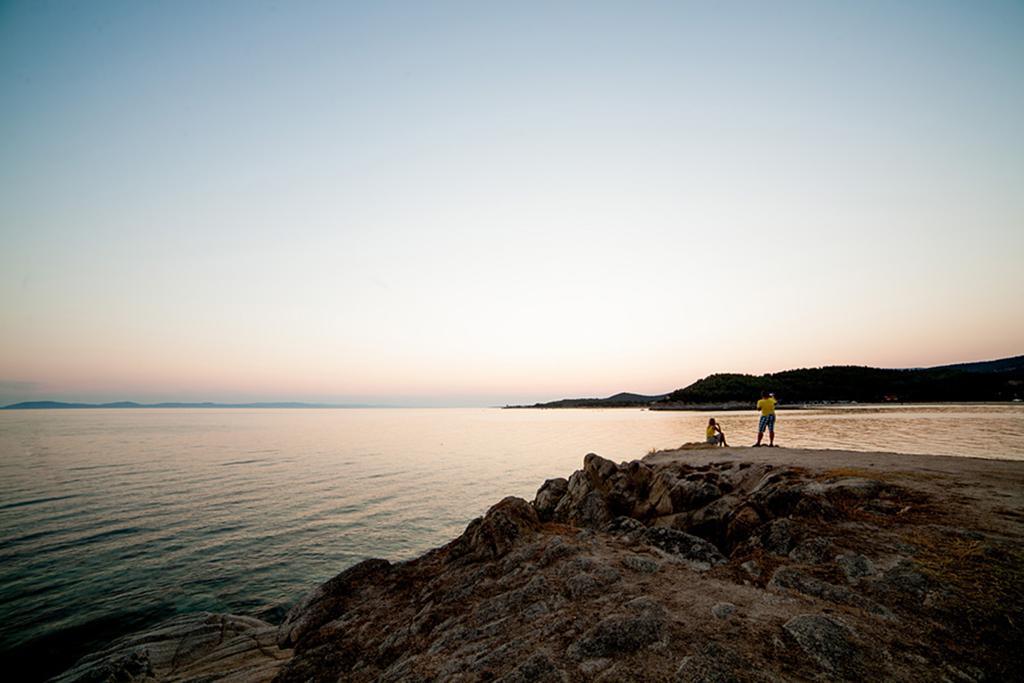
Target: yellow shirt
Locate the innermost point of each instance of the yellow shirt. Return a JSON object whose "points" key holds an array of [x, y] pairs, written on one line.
{"points": [[711, 431], [766, 406]]}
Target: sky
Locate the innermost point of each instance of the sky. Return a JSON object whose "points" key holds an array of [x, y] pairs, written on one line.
{"points": [[479, 203]]}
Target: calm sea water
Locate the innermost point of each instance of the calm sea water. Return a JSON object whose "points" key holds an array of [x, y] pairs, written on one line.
{"points": [[111, 520]]}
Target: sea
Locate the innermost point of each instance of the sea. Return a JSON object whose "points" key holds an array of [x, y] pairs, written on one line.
{"points": [[114, 520]]}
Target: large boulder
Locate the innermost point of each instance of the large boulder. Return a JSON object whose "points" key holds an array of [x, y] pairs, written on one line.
{"points": [[548, 497], [602, 491], [328, 601], [584, 503], [493, 535]]}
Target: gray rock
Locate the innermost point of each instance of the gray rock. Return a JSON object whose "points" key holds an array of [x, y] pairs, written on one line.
{"points": [[200, 646], [712, 519], [606, 574], [813, 551], [577, 565], [508, 521], [645, 605], [623, 525], [884, 507], [326, 601], [627, 490], [690, 495], [404, 671], [815, 507], [855, 566], [599, 467], [742, 522], [779, 536], [639, 563], [713, 664], [778, 493], [827, 641], [752, 568], [583, 506], [697, 552], [904, 582], [642, 623], [723, 610], [557, 549], [964, 673], [537, 609], [548, 497], [589, 667], [792, 578], [538, 668], [537, 588], [660, 492], [128, 666], [849, 487], [582, 585]]}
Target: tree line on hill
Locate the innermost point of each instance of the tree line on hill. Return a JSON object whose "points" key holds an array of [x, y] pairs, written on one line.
{"points": [[990, 381], [996, 380]]}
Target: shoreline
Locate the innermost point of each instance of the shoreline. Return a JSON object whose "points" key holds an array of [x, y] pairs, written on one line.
{"points": [[741, 406], [599, 576]]}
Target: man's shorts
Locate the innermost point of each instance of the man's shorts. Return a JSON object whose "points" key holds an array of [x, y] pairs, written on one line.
{"points": [[766, 421], [715, 440]]}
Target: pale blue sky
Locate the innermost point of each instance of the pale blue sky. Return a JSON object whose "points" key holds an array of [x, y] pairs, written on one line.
{"points": [[472, 203]]}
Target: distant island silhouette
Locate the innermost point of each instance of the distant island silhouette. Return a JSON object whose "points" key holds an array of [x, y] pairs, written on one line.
{"points": [[993, 380], [51, 405]]}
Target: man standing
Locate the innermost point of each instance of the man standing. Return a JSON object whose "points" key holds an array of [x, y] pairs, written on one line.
{"points": [[767, 407]]}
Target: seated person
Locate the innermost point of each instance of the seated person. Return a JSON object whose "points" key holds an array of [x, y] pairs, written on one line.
{"points": [[716, 436]]}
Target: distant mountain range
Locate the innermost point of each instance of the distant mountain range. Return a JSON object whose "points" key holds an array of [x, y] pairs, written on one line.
{"points": [[51, 405], [994, 380]]}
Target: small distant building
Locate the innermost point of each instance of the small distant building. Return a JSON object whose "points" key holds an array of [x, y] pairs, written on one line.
{"points": [[890, 398]]}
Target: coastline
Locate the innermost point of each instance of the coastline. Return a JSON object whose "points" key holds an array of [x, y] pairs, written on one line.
{"points": [[734, 406], [682, 562]]}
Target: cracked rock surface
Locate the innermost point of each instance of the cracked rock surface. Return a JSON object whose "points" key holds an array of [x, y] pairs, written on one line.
{"points": [[192, 647]]}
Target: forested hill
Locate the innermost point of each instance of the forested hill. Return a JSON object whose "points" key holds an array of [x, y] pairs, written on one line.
{"points": [[1001, 380]]}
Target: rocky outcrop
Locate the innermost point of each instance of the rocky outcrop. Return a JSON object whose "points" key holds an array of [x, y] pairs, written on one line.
{"points": [[675, 571]]}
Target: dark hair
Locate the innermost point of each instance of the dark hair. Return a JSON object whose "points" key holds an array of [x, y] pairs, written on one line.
{"points": [[711, 420], [764, 393]]}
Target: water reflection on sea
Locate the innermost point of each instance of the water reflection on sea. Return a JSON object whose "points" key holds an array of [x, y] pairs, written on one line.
{"points": [[113, 519]]}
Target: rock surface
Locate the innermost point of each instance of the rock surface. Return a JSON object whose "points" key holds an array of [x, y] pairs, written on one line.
{"points": [[674, 568], [193, 647]]}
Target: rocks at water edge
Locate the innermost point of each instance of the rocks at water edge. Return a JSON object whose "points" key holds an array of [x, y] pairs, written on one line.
{"points": [[720, 571], [193, 647]]}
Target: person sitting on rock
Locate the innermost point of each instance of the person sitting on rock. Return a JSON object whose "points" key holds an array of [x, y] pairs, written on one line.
{"points": [[716, 437]]}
